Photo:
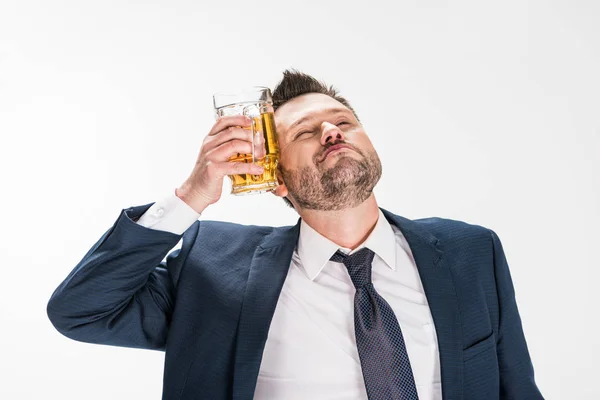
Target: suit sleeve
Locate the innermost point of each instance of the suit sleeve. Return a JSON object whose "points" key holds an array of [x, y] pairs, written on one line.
{"points": [[121, 293], [516, 369]]}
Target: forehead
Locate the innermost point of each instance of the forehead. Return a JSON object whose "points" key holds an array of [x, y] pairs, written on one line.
{"points": [[311, 104]]}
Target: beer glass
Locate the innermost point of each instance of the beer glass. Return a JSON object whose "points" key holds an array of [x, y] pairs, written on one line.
{"points": [[257, 104]]}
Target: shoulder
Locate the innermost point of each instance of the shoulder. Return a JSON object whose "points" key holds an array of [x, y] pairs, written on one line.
{"points": [[451, 233], [447, 228], [216, 234], [223, 226]]}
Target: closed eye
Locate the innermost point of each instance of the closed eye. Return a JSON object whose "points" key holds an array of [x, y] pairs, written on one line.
{"points": [[301, 133], [311, 132]]}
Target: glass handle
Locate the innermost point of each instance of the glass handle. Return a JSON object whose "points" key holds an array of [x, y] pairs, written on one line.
{"points": [[246, 112]]}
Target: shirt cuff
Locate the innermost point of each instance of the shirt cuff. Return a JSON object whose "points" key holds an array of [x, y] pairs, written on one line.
{"points": [[170, 214]]}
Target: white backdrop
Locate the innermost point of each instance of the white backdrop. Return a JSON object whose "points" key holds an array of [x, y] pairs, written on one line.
{"points": [[486, 112]]}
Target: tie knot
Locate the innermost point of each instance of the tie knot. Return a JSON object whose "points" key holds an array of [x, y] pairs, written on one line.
{"points": [[358, 265]]}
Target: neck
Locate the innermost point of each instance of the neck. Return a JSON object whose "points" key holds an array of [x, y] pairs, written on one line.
{"points": [[346, 228]]}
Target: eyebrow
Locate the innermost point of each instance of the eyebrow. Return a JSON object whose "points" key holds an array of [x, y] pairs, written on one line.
{"points": [[308, 117]]}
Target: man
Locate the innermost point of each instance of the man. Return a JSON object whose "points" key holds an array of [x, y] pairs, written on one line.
{"points": [[353, 302]]}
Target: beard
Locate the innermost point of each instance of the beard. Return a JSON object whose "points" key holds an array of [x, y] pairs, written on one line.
{"points": [[346, 184]]}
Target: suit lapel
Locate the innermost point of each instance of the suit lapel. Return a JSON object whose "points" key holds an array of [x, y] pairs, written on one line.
{"points": [[435, 274], [268, 271]]}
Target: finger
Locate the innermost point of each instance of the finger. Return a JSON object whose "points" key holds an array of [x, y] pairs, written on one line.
{"points": [[228, 149], [226, 135], [227, 121], [234, 168]]}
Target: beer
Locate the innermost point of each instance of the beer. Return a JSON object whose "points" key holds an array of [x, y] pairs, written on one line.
{"points": [[257, 104], [264, 124]]}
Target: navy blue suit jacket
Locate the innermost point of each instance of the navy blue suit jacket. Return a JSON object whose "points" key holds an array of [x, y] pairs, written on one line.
{"points": [[210, 304]]}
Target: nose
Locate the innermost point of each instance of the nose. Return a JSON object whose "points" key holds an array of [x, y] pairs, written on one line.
{"points": [[330, 133]]}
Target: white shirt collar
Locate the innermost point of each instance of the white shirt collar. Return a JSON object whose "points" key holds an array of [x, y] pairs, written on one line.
{"points": [[315, 250]]}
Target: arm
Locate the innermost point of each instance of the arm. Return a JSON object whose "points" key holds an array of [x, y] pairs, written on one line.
{"points": [[121, 293], [516, 370]]}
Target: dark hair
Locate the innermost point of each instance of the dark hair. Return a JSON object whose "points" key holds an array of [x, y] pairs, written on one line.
{"points": [[296, 83]]}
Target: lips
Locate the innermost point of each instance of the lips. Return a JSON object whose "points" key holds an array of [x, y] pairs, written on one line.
{"points": [[335, 147]]}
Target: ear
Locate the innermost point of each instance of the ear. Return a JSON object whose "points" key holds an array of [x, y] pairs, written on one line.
{"points": [[281, 190]]}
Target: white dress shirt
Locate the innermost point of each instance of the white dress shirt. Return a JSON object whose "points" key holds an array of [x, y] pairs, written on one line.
{"points": [[311, 352]]}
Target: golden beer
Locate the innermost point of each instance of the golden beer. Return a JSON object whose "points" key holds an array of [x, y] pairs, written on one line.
{"points": [[257, 104], [264, 124]]}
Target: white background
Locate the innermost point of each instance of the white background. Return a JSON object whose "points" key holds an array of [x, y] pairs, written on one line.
{"points": [[485, 112]]}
